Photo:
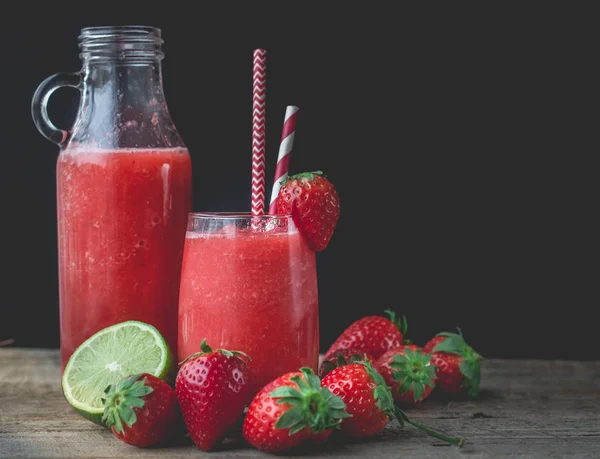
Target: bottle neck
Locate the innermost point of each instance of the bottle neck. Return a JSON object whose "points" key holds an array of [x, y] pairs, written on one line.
{"points": [[125, 87], [123, 103]]}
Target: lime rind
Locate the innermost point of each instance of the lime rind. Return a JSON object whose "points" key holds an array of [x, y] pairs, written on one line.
{"points": [[121, 350]]}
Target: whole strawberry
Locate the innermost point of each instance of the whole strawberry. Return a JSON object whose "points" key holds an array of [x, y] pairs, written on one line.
{"points": [[373, 335], [458, 365], [212, 388], [409, 373], [142, 410], [312, 201], [369, 402], [291, 410], [341, 358]]}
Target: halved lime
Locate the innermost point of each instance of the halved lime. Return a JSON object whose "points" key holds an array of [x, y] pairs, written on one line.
{"points": [[121, 350]]}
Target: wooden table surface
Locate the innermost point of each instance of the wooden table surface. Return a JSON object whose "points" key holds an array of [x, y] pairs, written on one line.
{"points": [[527, 409]]}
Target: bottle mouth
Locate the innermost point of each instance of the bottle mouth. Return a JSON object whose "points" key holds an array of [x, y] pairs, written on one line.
{"points": [[130, 43]]}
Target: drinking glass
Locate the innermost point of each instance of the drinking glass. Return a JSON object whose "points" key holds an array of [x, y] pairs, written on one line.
{"points": [[250, 284]]}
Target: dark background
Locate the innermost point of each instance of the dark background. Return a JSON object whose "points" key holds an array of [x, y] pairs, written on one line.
{"points": [[456, 139]]}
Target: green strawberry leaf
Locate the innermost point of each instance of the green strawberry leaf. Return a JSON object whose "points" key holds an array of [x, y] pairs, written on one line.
{"points": [[384, 399], [340, 360], [118, 425], [453, 344], [399, 361], [411, 370], [301, 383], [418, 390], [313, 380], [128, 415], [285, 392], [328, 367], [400, 322], [297, 428], [302, 175], [133, 401], [356, 358], [335, 403], [291, 418], [313, 407], [120, 400], [471, 370], [139, 389], [466, 368], [405, 385], [382, 392], [430, 379]]}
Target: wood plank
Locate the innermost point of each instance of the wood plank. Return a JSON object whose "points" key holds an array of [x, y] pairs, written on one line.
{"points": [[527, 408]]}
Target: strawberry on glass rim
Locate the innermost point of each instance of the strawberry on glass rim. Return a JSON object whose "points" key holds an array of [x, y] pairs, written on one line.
{"points": [[312, 201]]}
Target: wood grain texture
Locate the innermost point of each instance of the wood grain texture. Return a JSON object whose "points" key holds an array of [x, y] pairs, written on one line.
{"points": [[527, 409]]}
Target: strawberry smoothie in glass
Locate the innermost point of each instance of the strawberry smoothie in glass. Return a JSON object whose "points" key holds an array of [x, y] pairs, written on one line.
{"points": [[249, 283], [123, 188]]}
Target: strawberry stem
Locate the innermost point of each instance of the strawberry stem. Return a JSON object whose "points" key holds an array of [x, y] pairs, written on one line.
{"points": [[205, 347], [402, 417]]}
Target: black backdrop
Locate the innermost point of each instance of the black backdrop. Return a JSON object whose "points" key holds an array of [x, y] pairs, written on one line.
{"points": [[452, 135]]}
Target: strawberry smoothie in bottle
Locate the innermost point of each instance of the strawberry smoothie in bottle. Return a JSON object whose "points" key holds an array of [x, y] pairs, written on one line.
{"points": [[123, 188]]}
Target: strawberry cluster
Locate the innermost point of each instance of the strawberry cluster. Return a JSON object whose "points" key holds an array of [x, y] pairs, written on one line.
{"points": [[365, 378]]}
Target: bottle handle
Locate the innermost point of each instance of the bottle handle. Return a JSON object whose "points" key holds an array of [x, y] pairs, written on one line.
{"points": [[39, 105]]}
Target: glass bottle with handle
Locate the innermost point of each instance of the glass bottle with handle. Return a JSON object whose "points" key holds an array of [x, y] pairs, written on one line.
{"points": [[123, 188]]}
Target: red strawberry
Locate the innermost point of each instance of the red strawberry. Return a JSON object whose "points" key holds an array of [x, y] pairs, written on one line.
{"points": [[372, 334], [141, 410], [409, 372], [212, 388], [458, 365], [291, 410], [370, 404], [369, 401], [314, 205], [340, 358]]}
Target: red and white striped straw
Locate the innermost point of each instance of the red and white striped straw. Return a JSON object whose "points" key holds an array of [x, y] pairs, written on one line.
{"points": [[283, 158], [259, 80]]}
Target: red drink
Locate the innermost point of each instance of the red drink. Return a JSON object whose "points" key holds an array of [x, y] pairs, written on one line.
{"points": [[121, 219], [253, 291]]}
